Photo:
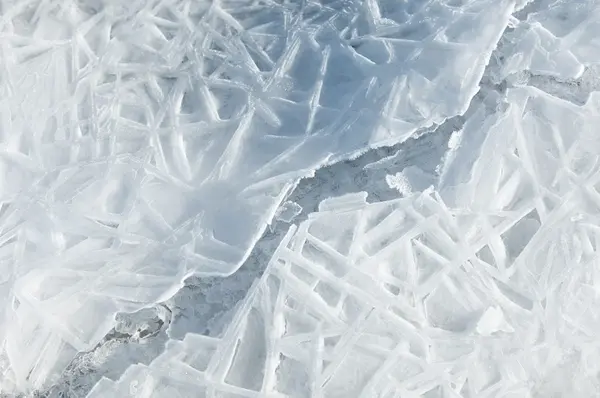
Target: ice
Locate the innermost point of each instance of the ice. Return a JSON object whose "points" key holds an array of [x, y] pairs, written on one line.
{"points": [[539, 156], [410, 179], [400, 183], [322, 309], [558, 38], [539, 150], [346, 293], [386, 162], [486, 287], [353, 291], [288, 211], [493, 321], [142, 142]]}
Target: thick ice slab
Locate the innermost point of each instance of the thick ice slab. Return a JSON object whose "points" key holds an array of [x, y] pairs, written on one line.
{"points": [[540, 150], [225, 106], [144, 141], [558, 38], [492, 296]]}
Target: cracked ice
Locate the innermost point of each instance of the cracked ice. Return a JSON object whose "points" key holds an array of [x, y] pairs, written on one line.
{"points": [[144, 143]]}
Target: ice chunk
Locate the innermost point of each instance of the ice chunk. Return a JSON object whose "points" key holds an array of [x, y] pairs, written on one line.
{"points": [[354, 290], [557, 38], [229, 143], [386, 162], [534, 49], [492, 321], [142, 143], [535, 153], [400, 183], [411, 179], [493, 292], [288, 211], [348, 201], [538, 158]]}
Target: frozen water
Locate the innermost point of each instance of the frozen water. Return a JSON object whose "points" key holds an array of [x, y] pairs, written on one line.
{"points": [[146, 141], [143, 141], [558, 38], [410, 179], [490, 292], [538, 150], [380, 291], [334, 301], [288, 211]]}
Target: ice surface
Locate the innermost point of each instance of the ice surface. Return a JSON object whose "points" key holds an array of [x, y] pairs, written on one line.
{"points": [[360, 300], [145, 141], [536, 152], [410, 179], [557, 38], [288, 211], [488, 289]]}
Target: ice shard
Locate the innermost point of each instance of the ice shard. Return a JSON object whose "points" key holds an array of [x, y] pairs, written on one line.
{"points": [[145, 141], [557, 38], [490, 292]]}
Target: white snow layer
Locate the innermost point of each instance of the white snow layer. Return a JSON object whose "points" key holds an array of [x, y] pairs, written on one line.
{"points": [[142, 142]]}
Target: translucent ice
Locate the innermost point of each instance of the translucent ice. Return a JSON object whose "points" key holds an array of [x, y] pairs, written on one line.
{"points": [[288, 211], [536, 152], [557, 38], [492, 321], [142, 141], [491, 293], [360, 300], [410, 179], [344, 294]]}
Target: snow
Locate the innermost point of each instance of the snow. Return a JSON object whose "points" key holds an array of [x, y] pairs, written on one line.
{"points": [[437, 161]]}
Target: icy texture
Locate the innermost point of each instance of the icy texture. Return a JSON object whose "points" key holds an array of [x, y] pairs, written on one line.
{"points": [[539, 150], [411, 179], [288, 211], [143, 141], [557, 38], [492, 293]]}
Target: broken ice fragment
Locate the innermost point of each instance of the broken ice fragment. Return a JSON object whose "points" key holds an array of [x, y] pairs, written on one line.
{"points": [[410, 179], [493, 321], [288, 211], [143, 143], [557, 39]]}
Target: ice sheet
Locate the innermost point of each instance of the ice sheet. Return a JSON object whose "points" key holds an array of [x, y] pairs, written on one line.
{"points": [[558, 38], [539, 150], [144, 141], [491, 293]]}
